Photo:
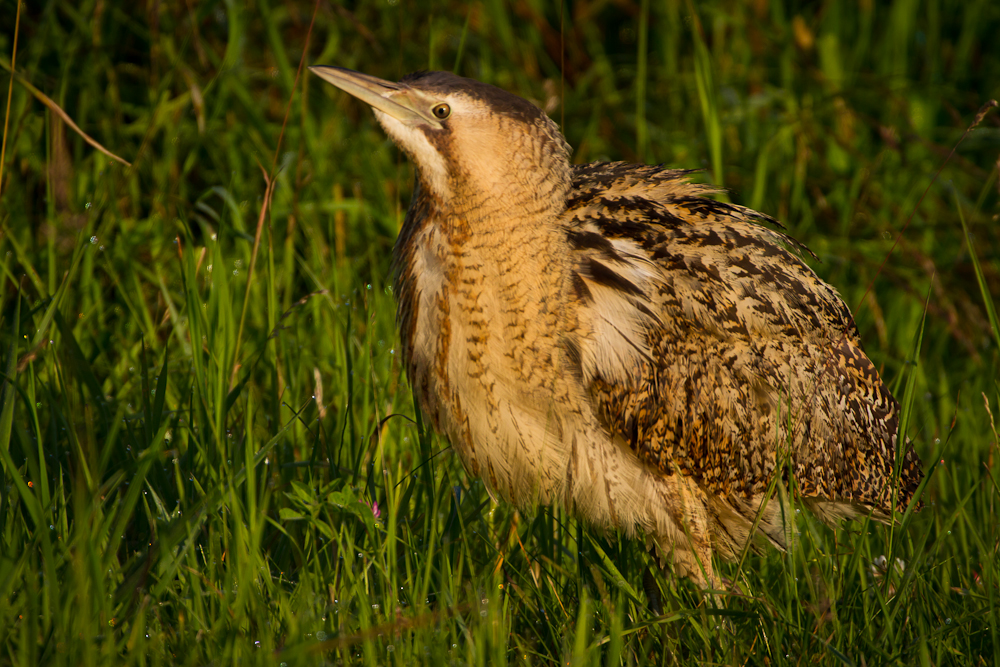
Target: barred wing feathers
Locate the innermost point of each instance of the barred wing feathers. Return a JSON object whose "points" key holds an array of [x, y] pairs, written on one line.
{"points": [[714, 352]]}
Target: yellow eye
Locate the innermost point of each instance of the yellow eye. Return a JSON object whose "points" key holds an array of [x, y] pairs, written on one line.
{"points": [[441, 111]]}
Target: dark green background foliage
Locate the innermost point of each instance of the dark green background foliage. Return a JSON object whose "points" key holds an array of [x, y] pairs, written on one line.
{"points": [[194, 422]]}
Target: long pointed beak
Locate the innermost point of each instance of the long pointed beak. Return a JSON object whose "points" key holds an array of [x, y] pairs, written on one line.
{"points": [[392, 99]]}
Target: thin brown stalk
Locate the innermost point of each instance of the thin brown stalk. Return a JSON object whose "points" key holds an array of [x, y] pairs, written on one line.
{"points": [[10, 93], [268, 191], [976, 121], [56, 109]]}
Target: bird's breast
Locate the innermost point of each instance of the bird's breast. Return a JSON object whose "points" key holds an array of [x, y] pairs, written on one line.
{"points": [[479, 320]]}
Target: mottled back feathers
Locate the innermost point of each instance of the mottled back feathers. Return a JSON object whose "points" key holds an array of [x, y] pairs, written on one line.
{"points": [[734, 358]]}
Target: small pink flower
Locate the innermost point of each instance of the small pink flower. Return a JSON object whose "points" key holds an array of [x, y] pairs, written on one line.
{"points": [[374, 506]]}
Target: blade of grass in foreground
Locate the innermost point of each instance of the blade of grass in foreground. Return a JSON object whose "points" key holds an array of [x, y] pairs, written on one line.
{"points": [[9, 397], [984, 289]]}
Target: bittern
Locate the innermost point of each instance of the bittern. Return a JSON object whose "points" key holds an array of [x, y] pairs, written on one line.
{"points": [[608, 338]]}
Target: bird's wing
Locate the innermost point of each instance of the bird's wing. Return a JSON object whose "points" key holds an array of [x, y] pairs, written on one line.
{"points": [[714, 351]]}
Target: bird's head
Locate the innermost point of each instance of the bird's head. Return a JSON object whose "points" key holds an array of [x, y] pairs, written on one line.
{"points": [[474, 145]]}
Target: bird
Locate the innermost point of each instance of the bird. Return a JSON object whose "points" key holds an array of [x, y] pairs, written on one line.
{"points": [[611, 339]]}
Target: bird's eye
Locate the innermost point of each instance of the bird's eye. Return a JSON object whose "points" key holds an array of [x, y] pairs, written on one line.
{"points": [[441, 111]]}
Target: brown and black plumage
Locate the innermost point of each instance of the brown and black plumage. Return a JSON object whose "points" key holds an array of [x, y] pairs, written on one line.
{"points": [[609, 338]]}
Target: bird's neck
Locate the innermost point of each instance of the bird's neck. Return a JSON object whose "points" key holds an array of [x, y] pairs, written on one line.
{"points": [[487, 272], [479, 305], [494, 200], [505, 178]]}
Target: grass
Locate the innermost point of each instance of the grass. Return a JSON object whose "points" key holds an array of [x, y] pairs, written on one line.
{"points": [[208, 464]]}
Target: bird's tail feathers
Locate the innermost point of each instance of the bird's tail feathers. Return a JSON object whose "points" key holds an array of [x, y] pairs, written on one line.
{"points": [[734, 519]]}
